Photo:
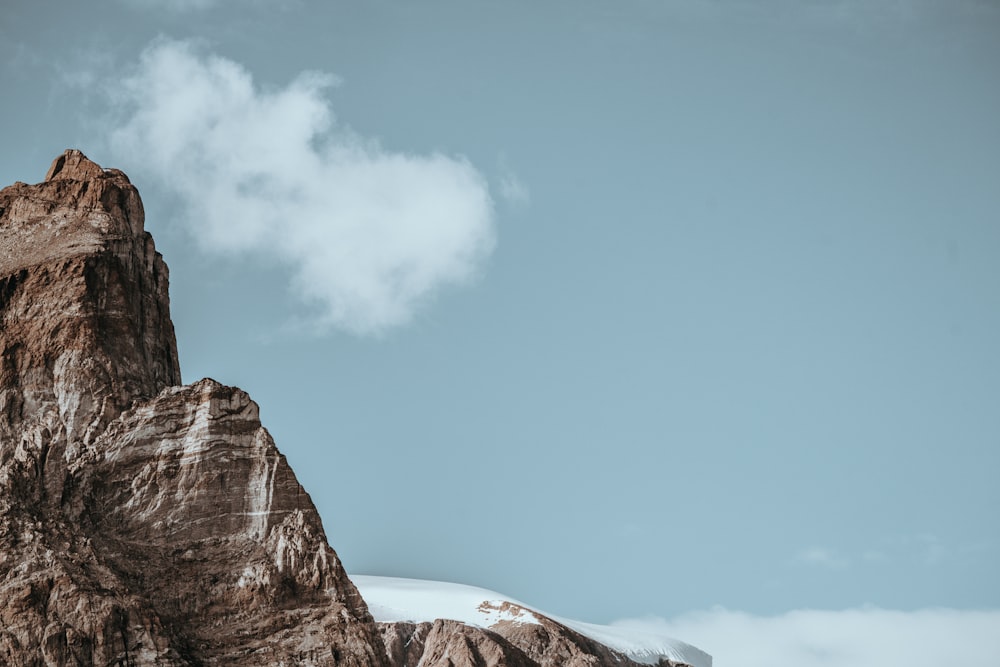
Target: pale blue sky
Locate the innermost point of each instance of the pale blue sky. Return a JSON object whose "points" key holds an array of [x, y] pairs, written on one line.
{"points": [[736, 343]]}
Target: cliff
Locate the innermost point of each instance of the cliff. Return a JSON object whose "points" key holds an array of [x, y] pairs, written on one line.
{"points": [[141, 522]]}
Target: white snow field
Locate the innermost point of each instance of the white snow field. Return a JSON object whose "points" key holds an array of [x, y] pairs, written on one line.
{"points": [[394, 599]]}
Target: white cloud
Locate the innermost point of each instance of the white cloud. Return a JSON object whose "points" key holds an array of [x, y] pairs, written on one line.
{"points": [[923, 548], [370, 234], [823, 557], [867, 637], [514, 190]]}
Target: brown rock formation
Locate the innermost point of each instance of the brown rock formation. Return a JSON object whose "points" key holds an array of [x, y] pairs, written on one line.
{"points": [[445, 643], [548, 643], [141, 522], [147, 523]]}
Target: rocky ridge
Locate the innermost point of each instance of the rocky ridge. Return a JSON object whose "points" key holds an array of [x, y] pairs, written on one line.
{"points": [[146, 522], [547, 643]]}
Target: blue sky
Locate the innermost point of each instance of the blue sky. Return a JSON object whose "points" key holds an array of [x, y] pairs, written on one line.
{"points": [[632, 309]]}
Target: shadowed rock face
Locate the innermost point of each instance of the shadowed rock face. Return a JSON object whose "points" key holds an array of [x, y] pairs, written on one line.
{"points": [[141, 522]]}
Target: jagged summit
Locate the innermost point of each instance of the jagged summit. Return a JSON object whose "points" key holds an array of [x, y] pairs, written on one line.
{"points": [[78, 209], [74, 165], [84, 303]]}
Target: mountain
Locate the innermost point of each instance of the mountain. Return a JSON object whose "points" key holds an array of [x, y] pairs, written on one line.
{"points": [[141, 522], [147, 522], [409, 613]]}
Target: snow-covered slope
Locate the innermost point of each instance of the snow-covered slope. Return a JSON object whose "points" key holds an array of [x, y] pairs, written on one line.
{"points": [[393, 599]]}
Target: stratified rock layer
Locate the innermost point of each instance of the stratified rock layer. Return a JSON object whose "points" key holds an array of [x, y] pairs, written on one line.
{"points": [[141, 522]]}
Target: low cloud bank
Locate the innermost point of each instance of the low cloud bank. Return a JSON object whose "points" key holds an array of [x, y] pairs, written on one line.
{"points": [[867, 637], [369, 234]]}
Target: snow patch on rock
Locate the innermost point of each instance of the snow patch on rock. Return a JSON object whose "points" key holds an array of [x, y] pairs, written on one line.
{"points": [[394, 599]]}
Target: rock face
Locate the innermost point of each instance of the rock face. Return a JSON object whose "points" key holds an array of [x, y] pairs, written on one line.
{"points": [[544, 643], [143, 522], [445, 643]]}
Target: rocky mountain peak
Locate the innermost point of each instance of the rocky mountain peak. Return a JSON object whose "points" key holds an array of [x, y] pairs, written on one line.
{"points": [[78, 209], [73, 165], [84, 303], [144, 522]]}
